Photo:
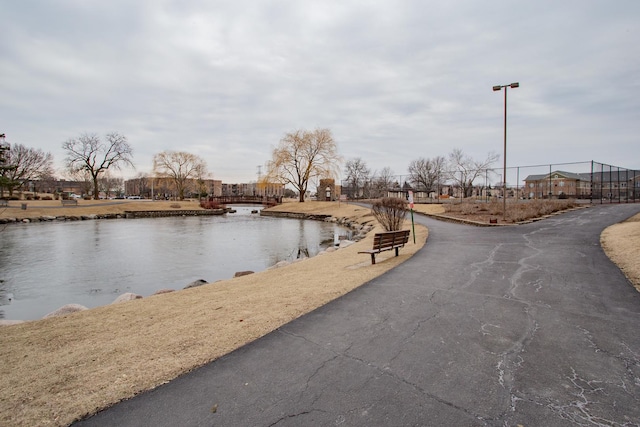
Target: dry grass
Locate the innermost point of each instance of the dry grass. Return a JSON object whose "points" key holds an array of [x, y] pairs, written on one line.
{"points": [[521, 210], [621, 243], [39, 208], [57, 370]]}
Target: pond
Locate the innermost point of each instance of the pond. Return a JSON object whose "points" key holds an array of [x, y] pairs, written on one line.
{"points": [[44, 266]]}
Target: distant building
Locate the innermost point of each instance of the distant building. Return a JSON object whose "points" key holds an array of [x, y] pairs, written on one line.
{"points": [[266, 189], [327, 190], [164, 188], [4, 148], [61, 186], [617, 184], [557, 184]]}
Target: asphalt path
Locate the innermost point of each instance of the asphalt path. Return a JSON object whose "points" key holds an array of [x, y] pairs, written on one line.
{"points": [[528, 325]]}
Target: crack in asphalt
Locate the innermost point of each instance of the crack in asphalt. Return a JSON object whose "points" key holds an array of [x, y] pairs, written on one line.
{"points": [[525, 325], [381, 371]]}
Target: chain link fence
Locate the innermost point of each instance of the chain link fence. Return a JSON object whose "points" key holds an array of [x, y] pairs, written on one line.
{"points": [[587, 181]]}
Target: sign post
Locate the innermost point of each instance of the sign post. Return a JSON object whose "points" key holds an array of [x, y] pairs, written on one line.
{"points": [[413, 227]]}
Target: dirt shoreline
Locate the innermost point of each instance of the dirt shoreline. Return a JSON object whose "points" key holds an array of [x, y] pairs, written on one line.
{"points": [[58, 370]]}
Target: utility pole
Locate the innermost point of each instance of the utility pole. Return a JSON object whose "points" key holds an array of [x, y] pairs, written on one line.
{"points": [[4, 167], [504, 158]]}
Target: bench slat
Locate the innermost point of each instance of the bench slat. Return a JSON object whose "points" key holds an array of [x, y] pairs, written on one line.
{"points": [[387, 241]]}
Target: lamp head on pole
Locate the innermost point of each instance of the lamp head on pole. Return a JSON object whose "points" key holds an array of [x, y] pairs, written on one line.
{"points": [[512, 86]]}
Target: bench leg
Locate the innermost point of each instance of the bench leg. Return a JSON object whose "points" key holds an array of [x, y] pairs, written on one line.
{"points": [[373, 258], [397, 251]]}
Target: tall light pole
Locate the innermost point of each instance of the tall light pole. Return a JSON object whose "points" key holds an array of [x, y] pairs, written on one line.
{"points": [[504, 157]]}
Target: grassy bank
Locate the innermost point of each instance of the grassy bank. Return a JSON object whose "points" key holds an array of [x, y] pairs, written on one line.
{"points": [[40, 208], [58, 370]]}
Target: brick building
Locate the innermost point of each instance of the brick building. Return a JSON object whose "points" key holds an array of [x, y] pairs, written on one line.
{"points": [[557, 184], [622, 185], [165, 188]]}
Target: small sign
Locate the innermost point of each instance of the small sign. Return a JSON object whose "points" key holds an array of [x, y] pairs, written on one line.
{"points": [[411, 199]]}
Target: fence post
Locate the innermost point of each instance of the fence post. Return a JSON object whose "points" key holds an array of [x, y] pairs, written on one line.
{"points": [[517, 182]]}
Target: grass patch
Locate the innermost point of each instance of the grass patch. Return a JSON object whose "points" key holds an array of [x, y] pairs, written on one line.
{"points": [[522, 210]]}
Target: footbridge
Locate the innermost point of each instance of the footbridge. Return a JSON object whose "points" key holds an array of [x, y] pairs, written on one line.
{"points": [[256, 200]]}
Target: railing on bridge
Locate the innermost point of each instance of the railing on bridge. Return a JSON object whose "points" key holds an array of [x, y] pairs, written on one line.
{"points": [[236, 200]]}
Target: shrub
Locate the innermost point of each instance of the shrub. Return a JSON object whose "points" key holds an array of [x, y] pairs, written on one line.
{"points": [[495, 208], [468, 208], [390, 212], [211, 204]]}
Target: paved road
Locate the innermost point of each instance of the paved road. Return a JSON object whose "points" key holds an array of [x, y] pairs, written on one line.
{"points": [[529, 325]]}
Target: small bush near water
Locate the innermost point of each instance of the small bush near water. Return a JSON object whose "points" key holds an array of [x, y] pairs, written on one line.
{"points": [[211, 204]]}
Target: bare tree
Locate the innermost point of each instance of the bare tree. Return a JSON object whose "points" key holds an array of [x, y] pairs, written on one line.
{"points": [[203, 186], [303, 156], [27, 164], [464, 170], [357, 174], [381, 182], [180, 167], [427, 173], [83, 178], [110, 184], [89, 153], [47, 181]]}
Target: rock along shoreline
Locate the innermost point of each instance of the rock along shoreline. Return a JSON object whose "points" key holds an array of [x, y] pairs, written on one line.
{"points": [[359, 232], [126, 214]]}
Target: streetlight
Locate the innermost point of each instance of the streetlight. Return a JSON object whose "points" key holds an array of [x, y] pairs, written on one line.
{"points": [[504, 158]]}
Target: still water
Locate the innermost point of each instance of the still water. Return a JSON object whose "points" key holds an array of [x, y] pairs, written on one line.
{"points": [[44, 266]]}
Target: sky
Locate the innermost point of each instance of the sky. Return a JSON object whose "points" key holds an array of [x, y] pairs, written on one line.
{"points": [[394, 81]]}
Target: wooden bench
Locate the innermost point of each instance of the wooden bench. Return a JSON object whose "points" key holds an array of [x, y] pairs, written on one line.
{"points": [[4, 203], [387, 241], [69, 202]]}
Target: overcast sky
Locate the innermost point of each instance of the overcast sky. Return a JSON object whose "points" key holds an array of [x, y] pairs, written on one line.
{"points": [[393, 80]]}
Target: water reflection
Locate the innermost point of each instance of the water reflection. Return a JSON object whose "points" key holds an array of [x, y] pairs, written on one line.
{"points": [[44, 266]]}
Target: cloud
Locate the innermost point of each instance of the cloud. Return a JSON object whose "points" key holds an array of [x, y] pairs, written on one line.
{"points": [[394, 81]]}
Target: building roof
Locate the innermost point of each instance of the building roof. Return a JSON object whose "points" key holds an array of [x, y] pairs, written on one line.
{"points": [[602, 176], [569, 175]]}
